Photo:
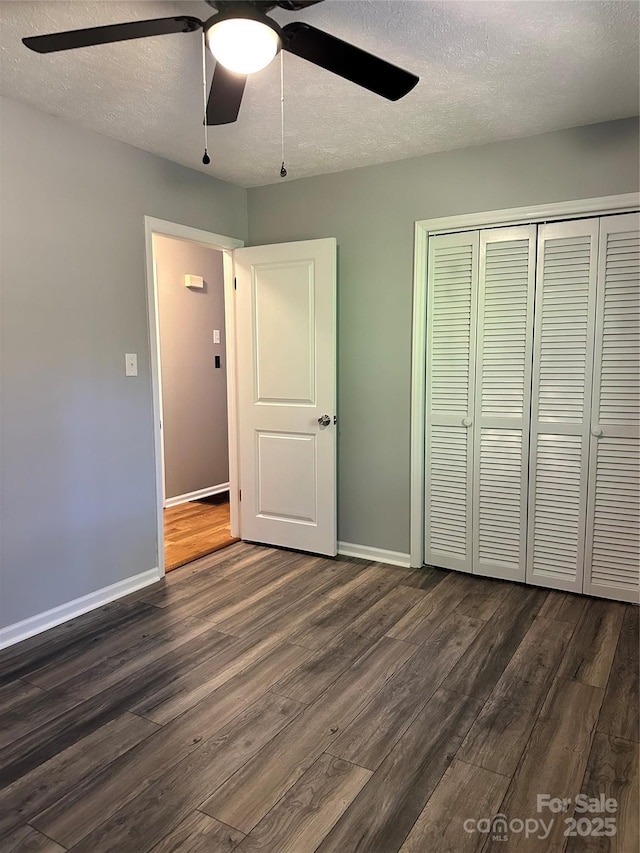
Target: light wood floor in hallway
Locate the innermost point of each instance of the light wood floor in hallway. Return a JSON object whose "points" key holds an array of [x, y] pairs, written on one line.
{"points": [[194, 529], [263, 700]]}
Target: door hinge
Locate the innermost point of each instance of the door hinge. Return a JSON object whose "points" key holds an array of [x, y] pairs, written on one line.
{"points": [[240, 491], [235, 283]]}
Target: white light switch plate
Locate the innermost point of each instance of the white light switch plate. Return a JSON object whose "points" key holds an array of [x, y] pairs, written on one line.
{"points": [[216, 336], [130, 364]]}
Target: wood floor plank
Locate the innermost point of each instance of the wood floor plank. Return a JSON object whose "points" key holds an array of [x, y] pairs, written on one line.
{"points": [[621, 707], [338, 614], [47, 783], [199, 681], [82, 810], [378, 821], [357, 580], [206, 601], [420, 622], [139, 625], [21, 656], [302, 818], [590, 654], [56, 721], [230, 569], [310, 580], [478, 671], [33, 711], [147, 818], [564, 606], [464, 792], [200, 833], [314, 676], [425, 578], [251, 792], [66, 644], [16, 693], [29, 840], [483, 601], [498, 737], [554, 762], [190, 638], [372, 735], [229, 561], [612, 770]]}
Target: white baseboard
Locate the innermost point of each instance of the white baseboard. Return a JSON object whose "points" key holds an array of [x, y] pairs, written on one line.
{"points": [[50, 618], [196, 496], [378, 555]]}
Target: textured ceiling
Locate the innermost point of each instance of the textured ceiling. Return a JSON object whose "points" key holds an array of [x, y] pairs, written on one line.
{"points": [[489, 71]]}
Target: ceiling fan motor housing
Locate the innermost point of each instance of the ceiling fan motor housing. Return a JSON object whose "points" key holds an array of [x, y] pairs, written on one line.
{"points": [[245, 10]]}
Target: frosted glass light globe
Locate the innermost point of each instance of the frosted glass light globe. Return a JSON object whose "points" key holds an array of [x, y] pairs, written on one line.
{"points": [[243, 45]]}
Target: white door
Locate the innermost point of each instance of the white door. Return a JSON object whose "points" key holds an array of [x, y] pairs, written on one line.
{"points": [[450, 377], [561, 402], [286, 356], [612, 559], [503, 398]]}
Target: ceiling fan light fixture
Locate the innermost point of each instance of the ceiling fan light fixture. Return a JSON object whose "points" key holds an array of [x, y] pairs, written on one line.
{"points": [[243, 45]]}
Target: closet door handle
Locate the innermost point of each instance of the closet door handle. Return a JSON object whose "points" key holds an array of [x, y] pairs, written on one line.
{"points": [[597, 431], [467, 422]]}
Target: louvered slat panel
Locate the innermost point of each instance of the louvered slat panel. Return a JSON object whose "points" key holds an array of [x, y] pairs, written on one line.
{"points": [[612, 560], [447, 482], [499, 518], [503, 393], [615, 562], [561, 402], [451, 329], [563, 328], [618, 389], [556, 517], [451, 336]]}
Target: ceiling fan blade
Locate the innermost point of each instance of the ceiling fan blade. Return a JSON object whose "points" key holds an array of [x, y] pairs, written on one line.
{"points": [[112, 33], [296, 5], [225, 95], [348, 61]]}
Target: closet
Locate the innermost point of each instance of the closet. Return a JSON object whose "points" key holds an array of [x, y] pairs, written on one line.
{"points": [[532, 404]]}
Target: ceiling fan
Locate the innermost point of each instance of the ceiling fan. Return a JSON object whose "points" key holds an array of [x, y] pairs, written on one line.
{"points": [[243, 39]]}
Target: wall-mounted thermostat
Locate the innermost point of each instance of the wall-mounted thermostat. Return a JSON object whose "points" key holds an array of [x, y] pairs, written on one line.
{"points": [[194, 281]]}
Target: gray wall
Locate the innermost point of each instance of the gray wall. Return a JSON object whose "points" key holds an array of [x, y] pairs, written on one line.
{"points": [[372, 211], [77, 479], [194, 391]]}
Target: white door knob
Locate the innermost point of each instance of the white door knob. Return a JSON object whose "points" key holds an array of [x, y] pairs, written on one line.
{"points": [[597, 431], [466, 422]]}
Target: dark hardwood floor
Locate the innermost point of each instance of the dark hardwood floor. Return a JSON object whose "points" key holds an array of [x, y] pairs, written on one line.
{"points": [[265, 700]]}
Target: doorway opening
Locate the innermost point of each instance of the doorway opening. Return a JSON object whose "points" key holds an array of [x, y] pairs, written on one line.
{"points": [[192, 336]]}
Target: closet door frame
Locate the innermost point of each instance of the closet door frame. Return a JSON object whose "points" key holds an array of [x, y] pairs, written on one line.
{"points": [[624, 203]]}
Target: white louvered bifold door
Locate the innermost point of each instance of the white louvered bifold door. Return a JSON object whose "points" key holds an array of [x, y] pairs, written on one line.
{"points": [[612, 556], [451, 322], [561, 402], [503, 399]]}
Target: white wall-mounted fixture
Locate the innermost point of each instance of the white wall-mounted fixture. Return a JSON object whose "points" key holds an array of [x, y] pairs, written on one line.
{"points": [[130, 364], [196, 282]]}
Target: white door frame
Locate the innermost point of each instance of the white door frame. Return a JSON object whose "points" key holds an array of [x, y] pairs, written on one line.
{"points": [[226, 245], [624, 203]]}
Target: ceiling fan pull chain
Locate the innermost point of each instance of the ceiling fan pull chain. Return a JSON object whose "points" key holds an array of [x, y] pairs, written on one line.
{"points": [[206, 159], [283, 171]]}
